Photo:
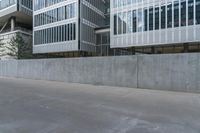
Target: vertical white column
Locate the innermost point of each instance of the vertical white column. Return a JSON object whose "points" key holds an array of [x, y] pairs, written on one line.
{"points": [[12, 23]]}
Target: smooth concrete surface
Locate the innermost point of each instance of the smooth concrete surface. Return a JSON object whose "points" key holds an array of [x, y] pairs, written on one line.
{"points": [[114, 71], [31, 106], [179, 72], [174, 72]]}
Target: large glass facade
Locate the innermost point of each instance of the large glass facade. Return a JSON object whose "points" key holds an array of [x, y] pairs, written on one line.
{"points": [[64, 32], [55, 34], [55, 15], [39, 4], [170, 15], [27, 3]]}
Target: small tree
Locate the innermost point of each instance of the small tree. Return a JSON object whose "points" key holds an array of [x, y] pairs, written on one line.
{"points": [[18, 49], [2, 48]]}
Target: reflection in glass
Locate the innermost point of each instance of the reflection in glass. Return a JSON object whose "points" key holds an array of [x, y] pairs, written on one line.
{"points": [[176, 13], [134, 21], [151, 18], [145, 20], [129, 22], [157, 19], [197, 11], [169, 16], [190, 12], [163, 18], [183, 12], [119, 23], [115, 24], [140, 22]]}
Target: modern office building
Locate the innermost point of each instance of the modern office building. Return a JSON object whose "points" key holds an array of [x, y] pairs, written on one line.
{"points": [[146, 23], [67, 25], [124, 27], [15, 17]]}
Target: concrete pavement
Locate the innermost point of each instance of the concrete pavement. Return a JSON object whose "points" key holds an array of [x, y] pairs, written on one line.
{"points": [[30, 106]]}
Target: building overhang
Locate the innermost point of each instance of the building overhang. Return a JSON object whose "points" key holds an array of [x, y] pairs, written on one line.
{"points": [[11, 11], [102, 30], [6, 11]]}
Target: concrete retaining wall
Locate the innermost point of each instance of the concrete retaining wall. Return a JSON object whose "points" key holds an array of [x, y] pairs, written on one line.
{"points": [[178, 72]]}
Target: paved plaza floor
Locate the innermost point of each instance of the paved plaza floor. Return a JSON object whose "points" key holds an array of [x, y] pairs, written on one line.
{"points": [[30, 106]]}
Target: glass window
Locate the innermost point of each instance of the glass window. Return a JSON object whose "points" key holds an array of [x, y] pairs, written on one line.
{"points": [[115, 3], [183, 12], [176, 13], [190, 12], [58, 14], [197, 11], [129, 22], [39, 4], [119, 23], [124, 23], [145, 19], [151, 18], [74, 31], [140, 22], [163, 17], [157, 18], [129, 2], [59, 10], [169, 16], [134, 21], [67, 31], [134, 1], [115, 24]]}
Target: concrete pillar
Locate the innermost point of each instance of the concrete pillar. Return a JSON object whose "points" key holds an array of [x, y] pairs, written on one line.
{"points": [[12, 21]]}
